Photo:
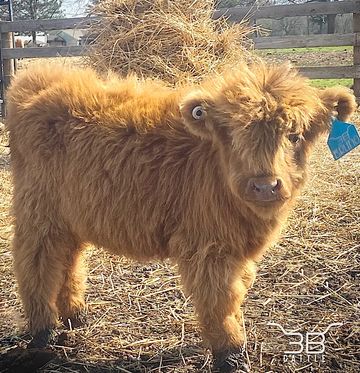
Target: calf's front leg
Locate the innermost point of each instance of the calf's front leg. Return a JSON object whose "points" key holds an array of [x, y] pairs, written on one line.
{"points": [[70, 300], [218, 285]]}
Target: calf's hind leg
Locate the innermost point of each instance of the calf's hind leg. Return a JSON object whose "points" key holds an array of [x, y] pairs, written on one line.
{"points": [[70, 301], [39, 261]]}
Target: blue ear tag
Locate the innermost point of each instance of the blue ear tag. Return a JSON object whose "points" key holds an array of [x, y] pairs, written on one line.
{"points": [[343, 138]]}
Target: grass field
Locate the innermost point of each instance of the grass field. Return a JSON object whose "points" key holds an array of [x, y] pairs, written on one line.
{"points": [[326, 83], [140, 321]]}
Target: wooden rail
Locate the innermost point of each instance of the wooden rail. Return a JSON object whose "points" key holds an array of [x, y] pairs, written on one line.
{"points": [[308, 41], [293, 10], [235, 14], [48, 24], [43, 52], [331, 72]]}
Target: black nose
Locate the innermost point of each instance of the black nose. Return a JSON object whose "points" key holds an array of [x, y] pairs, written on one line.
{"points": [[264, 189]]}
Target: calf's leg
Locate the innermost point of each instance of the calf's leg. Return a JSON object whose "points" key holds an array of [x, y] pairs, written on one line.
{"points": [[70, 301], [217, 286], [39, 268], [249, 273]]}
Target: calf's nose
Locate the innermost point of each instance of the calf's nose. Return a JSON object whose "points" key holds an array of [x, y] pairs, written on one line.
{"points": [[263, 185], [264, 188]]}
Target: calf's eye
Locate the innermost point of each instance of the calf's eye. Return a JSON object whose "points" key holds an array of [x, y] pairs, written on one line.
{"points": [[294, 138], [198, 112]]}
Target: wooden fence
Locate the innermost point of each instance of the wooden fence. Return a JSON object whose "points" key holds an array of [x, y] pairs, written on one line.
{"points": [[300, 41], [8, 53]]}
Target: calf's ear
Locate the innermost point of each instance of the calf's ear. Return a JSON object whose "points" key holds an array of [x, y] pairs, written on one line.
{"points": [[336, 102], [339, 102], [194, 111]]}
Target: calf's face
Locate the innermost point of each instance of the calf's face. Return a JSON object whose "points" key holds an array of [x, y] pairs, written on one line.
{"points": [[264, 121]]}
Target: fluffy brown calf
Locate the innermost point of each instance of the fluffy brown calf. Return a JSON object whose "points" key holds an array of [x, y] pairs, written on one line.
{"points": [[19, 43], [204, 175]]}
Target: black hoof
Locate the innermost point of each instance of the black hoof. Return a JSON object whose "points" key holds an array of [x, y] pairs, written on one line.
{"points": [[41, 339], [231, 362], [67, 339]]}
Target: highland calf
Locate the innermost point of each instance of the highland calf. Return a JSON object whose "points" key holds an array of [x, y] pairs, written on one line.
{"points": [[19, 43], [204, 175]]}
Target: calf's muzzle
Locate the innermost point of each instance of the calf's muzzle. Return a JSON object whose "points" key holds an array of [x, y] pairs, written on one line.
{"points": [[265, 189]]}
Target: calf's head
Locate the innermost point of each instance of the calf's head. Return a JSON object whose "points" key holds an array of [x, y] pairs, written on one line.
{"points": [[264, 121]]}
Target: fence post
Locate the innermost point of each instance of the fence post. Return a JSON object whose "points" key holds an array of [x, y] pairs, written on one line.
{"points": [[356, 31], [7, 42], [7, 67]]}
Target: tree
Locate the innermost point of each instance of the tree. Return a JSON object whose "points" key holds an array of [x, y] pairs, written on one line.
{"points": [[37, 9]]}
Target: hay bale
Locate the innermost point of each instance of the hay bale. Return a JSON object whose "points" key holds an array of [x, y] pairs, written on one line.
{"points": [[175, 40]]}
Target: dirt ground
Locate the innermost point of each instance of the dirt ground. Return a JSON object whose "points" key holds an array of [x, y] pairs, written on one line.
{"points": [[310, 57], [139, 320]]}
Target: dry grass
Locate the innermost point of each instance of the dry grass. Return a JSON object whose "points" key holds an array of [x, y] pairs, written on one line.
{"points": [[176, 41], [140, 321]]}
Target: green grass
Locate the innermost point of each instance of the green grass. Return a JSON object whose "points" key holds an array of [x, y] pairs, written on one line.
{"points": [[326, 83], [305, 50]]}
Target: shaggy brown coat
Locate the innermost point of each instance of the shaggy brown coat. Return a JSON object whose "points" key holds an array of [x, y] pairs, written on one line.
{"points": [[125, 165]]}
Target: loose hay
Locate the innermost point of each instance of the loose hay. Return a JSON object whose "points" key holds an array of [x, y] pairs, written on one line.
{"points": [[176, 41]]}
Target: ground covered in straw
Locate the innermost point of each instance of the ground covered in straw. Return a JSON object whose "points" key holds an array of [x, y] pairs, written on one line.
{"points": [[140, 321]]}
